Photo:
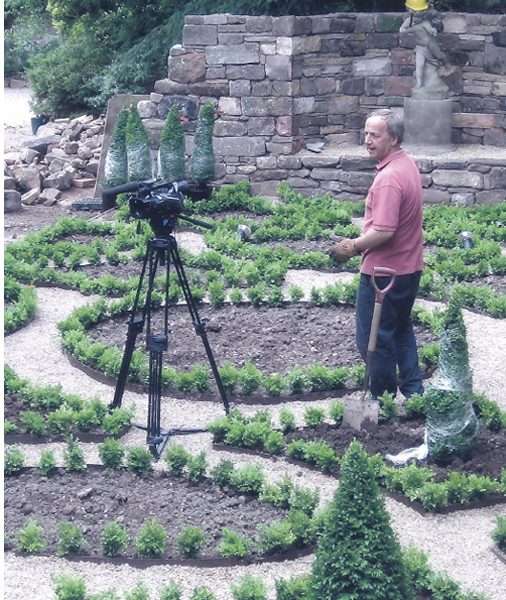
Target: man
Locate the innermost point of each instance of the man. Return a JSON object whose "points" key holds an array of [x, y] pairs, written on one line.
{"points": [[391, 237]]}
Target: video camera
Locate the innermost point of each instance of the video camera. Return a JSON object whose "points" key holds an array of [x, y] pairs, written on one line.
{"points": [[160, 202]]}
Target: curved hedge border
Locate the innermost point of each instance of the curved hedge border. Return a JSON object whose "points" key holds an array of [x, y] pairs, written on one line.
{"points": [[24, 301]]}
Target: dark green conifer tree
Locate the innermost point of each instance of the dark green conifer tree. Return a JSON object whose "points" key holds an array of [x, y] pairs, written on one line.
{"points": [[358, 556], [202, 169], [171, 163], [137, 148]]}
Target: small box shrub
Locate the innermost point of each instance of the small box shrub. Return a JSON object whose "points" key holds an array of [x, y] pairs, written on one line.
{"points": [[287, 420], [202, 593], [70, 539], [274, 443], [139, 459], [73, 455], [170, 591], [223, 472], [499, 533], [68, 587], [234, 545], [249, 588], [177, 457], [33, 422], [30, 538], [336, 411], [14, 461], [275, 538], [314, 416], [114, 539], [139, 592], [190, 541], [152, 539], [197, 466], [249, 480], [296, 588], [112, 453], [47, 462]]}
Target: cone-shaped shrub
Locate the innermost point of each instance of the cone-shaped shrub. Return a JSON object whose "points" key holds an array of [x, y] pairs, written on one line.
{"points": [[171, 163], [202, 160], [452, 425], [116, 157], [137, 148], [358, 556]]}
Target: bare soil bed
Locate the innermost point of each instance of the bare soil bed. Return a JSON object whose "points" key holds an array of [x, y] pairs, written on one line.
{"points": [[95, 497], [274, 339]]}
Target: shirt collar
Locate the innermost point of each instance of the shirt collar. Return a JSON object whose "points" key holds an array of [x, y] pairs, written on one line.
{"points": [[388, 159]]}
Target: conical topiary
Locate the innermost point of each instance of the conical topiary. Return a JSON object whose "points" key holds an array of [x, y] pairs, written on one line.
{"points": [[358, 556], [171, 163], [115, 168], [452, 425], [202, 169], [137, 148]]}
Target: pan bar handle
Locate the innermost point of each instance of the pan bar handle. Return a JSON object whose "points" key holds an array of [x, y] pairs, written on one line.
{"points": [[382, 272]]}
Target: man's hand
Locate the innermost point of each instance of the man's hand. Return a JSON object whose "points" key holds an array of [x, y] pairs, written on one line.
{"points": [[343, 251]]}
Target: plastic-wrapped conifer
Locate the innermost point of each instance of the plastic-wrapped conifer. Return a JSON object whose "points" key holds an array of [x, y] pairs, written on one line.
{"points": [[171, 163], [137, 148], [202, 168], [358, 555], [116, 157], [452, 426]]}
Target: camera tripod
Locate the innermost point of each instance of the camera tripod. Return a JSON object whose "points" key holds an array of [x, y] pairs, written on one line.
{"points": [[161, 251]]}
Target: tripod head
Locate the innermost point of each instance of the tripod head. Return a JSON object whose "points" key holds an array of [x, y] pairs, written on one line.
{"points": [[158, 201]]}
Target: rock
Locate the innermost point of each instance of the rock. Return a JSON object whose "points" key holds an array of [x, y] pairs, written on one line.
{"points": [[49, 196], [61, 181], [42, 144], [27, 178], [9, 183], [12, 201], [29, 155], [30, 196]]}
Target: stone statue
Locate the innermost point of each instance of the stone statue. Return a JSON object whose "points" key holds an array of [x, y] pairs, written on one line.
{"points": [[425, 23]]}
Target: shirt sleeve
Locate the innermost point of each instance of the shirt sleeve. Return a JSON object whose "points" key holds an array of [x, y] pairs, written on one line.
{"points": [[385, 204]]}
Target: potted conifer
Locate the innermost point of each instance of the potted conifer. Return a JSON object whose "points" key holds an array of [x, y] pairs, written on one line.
{"points": [[202, 167], [171, 160]]}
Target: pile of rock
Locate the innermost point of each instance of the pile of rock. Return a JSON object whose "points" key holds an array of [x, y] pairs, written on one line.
{"points": [[64, 153]]}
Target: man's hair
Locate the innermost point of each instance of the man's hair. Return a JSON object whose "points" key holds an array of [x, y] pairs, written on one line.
{"points": [[395, 124]]}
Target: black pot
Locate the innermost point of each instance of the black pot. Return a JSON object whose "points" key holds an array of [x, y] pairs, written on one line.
{"points": [[198, 192]]}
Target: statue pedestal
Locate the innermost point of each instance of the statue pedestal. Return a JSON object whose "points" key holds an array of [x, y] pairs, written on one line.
{"points": [[428, 123]]}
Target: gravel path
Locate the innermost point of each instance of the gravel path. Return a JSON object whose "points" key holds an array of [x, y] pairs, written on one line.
{"points": [[458, 544]]}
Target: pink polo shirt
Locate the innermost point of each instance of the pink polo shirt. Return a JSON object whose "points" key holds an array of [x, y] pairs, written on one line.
{"points": [[394, 203]]}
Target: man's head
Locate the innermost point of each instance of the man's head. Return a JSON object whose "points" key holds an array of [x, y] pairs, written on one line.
{"points": [[384, 131]]}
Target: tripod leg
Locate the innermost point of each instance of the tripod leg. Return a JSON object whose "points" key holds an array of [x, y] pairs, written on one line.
{"points": [[135, 326], [154, 436], [199, 326]]}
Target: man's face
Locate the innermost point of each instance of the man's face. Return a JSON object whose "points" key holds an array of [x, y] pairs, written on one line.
{"points": [[378, 142]]}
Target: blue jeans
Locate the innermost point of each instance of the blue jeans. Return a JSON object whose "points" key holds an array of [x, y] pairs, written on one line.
{"points": [[396, 344]]}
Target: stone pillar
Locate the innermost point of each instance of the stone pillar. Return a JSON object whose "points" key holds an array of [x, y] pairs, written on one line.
{"points": [[428, 123]]}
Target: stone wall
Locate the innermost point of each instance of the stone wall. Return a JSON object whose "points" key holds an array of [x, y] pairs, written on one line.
{"points": [[286, 86]]}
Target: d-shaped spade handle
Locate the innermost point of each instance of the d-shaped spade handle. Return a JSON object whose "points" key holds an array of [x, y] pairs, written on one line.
{"points": [[382, 272]]}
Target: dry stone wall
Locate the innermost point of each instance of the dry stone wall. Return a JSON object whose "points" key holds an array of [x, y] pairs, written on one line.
{"points": [[286, 87]]}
